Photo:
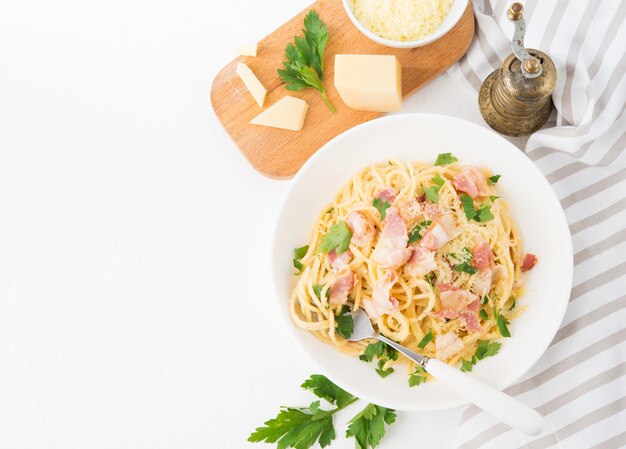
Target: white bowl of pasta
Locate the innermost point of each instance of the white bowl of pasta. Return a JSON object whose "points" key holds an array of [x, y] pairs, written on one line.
{"points": [[435, 254]]}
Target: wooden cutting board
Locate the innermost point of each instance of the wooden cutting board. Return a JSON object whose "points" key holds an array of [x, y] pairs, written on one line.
{"points": [[280, 153]]}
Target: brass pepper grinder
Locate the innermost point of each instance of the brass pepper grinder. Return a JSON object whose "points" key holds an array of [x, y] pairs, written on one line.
{"points": [[515, 99]]}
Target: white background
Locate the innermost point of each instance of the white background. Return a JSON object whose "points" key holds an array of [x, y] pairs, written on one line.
{"points": [[135, 302]]}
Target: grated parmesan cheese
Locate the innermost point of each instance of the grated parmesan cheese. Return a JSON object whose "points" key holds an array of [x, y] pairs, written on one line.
{"points": [[401, 20]]}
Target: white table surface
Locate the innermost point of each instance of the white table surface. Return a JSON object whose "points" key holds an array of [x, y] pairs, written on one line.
{"points": [[135, 304]]}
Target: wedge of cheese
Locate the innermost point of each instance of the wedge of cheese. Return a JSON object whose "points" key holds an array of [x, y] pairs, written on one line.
{"points": [[246, 49], [286, 113], [252, 83], [369, 82]]}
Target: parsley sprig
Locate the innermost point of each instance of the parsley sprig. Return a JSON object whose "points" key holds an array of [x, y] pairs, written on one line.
{"points": [[299, 253], [304, 65], [301, 428]]}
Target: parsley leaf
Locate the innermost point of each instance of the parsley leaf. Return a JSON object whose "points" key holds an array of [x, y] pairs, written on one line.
{"points": [[468, 206], [416, 378], [317, 288], [427, 338], [382, 207], [299, 253], [493, 179], [304, 65], [486, 349], [483, 314], [416, 233], [437, 179], [345, 324], [383, 372], [297, 428], [338, 236], [483, 213], [502, 325], [368, 427], [372, 350], [466, 365], [323, 388], [432, 193], [493, 198], [465, 267], [445, 158]]}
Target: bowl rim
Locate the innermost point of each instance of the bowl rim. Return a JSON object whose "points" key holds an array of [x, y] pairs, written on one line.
{"points": [[292, 328], [439, 32]]}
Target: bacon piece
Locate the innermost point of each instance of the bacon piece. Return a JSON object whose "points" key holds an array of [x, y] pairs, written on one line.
{"points": [[470, 321], [528, 261], [482, 256], [362, 230], [339, 262], [431, 210], [447, 314], [443, 229], [457, 300], [471, 181], [482, 282], [445, 287], [447, 345], [421, 262], [340, 289], [387, 194], [382, 302], [474, 306], [391, 251]]}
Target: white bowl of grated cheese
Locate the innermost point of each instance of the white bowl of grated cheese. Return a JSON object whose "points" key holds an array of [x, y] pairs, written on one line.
{"points": [[404, 23]]}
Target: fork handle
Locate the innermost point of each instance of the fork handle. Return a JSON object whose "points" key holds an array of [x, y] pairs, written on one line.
{"points": [[498, 404]]}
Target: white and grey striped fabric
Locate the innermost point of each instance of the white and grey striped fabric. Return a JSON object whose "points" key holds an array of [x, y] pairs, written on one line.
{"points": [[579, 385]]}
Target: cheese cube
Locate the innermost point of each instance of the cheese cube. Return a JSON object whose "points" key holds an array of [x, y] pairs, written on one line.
{"points": [[246, 49], [252, 83], [369, 82], [286, 113]]}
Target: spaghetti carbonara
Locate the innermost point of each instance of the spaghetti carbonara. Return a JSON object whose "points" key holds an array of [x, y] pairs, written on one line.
{"points": [[428, 251]]}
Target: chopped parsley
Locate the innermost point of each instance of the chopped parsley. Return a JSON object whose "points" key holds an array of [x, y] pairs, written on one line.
{"points": [[502, 324], [483, 314], [338, 237], [486, 349], [437, 179], [416, 233], [468, 206], [482, 214], [427, 338], [345, 324], [382, 207], [493, 197], [493, 179], [468, 365], [299, 253], [383, 372], [418, 376], [432, 193], [317, 288], [464, 265], [445, 158]]}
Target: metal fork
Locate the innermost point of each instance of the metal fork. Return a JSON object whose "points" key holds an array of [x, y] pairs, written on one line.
{"points": [[498, 404]]}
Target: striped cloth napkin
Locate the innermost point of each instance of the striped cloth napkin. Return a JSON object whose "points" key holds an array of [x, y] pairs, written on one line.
{"points": [[579, 385]]}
